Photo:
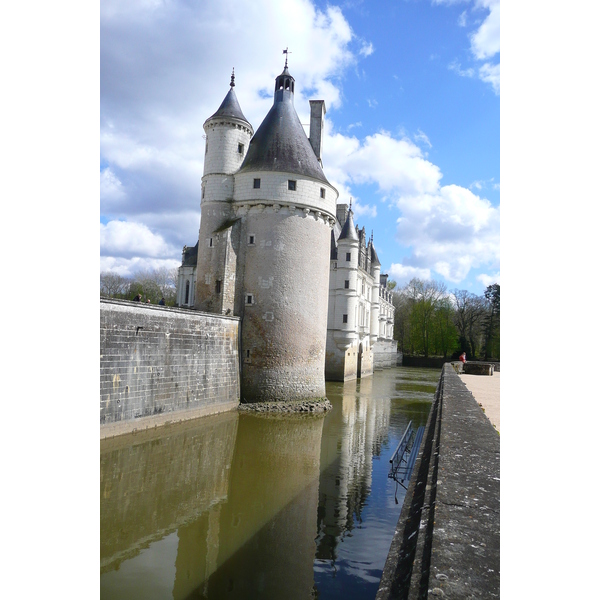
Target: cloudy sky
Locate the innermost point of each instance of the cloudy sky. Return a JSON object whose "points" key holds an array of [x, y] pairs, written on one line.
{"points": [[412, 90]]}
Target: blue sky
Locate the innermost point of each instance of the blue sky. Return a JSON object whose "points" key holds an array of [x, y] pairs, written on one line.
{"points": [[412, 91]]}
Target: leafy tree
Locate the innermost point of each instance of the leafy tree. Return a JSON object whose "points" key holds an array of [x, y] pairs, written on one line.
{"points": [[446, 336], [425, 296], [492, 322]]}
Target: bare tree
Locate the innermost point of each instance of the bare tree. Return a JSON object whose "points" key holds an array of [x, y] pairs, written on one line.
{"points": [[113, 285], [470, 315]]}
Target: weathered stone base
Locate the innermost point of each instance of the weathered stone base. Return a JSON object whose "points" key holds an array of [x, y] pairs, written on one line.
{"points": [[318, 405]]}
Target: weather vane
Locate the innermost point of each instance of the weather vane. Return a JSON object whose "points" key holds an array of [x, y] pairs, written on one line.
{"points": [[286, 52]]}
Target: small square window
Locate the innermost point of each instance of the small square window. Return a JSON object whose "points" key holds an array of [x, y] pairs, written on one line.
{"points": [[347, 284], [348, 256], [344, 318], [257, 184], [251, 240], [322, 192], [291, 185], [241, 148], [249, 299]]}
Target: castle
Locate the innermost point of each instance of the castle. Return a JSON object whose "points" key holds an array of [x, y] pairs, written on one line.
{"points": [[276, 250]]}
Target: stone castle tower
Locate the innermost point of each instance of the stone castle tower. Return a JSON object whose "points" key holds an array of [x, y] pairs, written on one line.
{"points": [[264, 243]]}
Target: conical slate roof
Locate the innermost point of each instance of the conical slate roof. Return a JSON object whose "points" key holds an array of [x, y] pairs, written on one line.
{"points": [[348, 230], [280, 143], [230, 107], [374, 259]]}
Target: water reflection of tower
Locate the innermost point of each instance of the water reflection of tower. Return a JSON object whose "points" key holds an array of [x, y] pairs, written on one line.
{"points": [[352, 435]]}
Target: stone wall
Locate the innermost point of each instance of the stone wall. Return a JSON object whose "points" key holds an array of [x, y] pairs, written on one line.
{"points": [[384, 354], [162, 364], [447, 541]]}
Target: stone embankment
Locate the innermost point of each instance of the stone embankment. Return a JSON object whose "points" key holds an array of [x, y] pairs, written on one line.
{"points": [[447, 541]]}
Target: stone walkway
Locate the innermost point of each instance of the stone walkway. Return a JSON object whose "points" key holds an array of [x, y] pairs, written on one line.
{"points": [[486, 391]]}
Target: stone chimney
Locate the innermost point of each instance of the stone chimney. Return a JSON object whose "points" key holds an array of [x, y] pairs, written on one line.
{"points": [[317, 118]]}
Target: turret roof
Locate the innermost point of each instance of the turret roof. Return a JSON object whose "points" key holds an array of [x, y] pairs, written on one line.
{"points": [[230, 107], [280, 143], [348, 230]]}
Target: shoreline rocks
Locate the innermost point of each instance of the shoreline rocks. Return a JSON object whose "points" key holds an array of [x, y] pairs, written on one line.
{"points": [[315, 406]]}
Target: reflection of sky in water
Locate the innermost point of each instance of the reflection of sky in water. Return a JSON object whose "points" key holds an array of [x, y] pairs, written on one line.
{"points": [[360, 549]]}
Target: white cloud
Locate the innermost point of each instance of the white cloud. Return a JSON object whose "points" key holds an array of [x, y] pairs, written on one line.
{"points": [[453, 231], [491, 74], [489, 279], [128, 267], [402, 274], [367, 49], [391, 163], [456, 67], [462, 19], [360, 209], [485, 42], [127, 239], [422, 137]]}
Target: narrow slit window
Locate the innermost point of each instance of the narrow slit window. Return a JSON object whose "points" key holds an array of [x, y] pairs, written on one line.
{"points": [[249, 299], [322, 192], [347, 284], [257, 184], [251, 240], [344, 318], [218, 286], [291, 185], [210, 243], [240, 148], [348, 257]]}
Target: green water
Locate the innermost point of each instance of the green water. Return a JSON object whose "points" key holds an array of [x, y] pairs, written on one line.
{"points": [[249, 506]]}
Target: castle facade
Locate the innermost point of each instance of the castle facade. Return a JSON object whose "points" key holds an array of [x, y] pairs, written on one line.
{"points": [[264, 253]]}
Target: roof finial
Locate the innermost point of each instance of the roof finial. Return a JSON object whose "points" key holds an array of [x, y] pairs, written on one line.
{"points": [[232, 84], [286, 52], [350, 203]]}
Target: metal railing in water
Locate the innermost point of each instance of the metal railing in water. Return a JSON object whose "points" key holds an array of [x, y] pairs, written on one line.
{"points": [[404, 457]]}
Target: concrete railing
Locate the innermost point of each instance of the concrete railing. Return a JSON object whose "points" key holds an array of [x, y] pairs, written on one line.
{"points": [[447, 541]]}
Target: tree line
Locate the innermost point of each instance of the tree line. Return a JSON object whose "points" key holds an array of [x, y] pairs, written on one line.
{"points": [[430, 321], [151, 284]]}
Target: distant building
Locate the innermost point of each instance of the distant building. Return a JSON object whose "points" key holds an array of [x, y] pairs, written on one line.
{"points": [[267, 235]]}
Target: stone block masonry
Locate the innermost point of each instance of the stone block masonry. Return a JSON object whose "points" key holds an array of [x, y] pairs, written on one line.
{"points": [[447, 541], [160, 365]]}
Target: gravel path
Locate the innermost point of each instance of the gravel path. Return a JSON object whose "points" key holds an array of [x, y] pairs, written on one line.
{"points": [[486, 390]]}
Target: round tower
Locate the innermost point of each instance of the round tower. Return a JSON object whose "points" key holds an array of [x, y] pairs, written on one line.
{"points": [[375, 305], [287, 210], [346, 310], [228, 135]]}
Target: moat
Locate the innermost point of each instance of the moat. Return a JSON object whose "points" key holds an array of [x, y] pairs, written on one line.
{"points": [[255, 506]]}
